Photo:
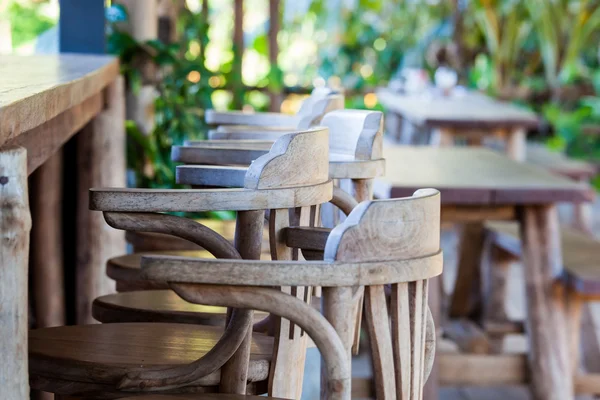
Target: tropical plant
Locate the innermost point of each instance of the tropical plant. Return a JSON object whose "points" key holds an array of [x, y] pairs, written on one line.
{"points": [[564, 30]]}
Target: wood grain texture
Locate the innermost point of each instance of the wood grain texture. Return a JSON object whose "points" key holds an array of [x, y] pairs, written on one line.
{"points": [[105, 353], [546, 315], [101, 162], [15, 224], [313, 273], [157, 306], [289, 307], [46, 262], [38, 88], [472, 111], [473, 176], [196, 200], [44, 140], [406, 229]]}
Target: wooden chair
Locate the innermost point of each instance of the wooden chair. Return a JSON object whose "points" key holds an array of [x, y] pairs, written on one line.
{"points": [[92, 360], [243, 125], [355, 141], [388, 242]]}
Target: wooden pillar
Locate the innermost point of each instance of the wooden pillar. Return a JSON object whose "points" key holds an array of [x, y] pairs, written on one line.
{"points": [[466, 299], [546, 322], [142, 26], [274, 27], [248, 241], [15, 224], [238, 53], [46, 243], [442, 137], [101, 163], [495, 281], [516, 144]]}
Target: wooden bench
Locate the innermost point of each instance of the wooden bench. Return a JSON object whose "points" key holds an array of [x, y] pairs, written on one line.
{"points": [[577, 282]]}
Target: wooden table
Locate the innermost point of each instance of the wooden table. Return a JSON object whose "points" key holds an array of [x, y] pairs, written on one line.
{"points": [[44, 101], [478, 185], [471, 115]]}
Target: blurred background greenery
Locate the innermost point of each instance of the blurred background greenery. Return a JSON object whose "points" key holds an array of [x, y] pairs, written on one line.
{"points": [[542, 54]]}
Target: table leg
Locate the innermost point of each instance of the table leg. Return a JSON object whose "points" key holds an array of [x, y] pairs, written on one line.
{"points": [[442, 137], [516, 144], [466, 297], [101, 163], [546, 323], [46, 243], [15, 224]]}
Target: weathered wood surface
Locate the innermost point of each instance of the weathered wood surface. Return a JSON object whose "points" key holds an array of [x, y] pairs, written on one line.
{"points": [[101, 150], [471, 111], [15, 224], [469, 176], [557, 162], [36, 89], [46, 261]]}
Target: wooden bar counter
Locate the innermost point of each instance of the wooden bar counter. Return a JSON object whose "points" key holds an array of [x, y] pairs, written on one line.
{"points": [[44, 101]]}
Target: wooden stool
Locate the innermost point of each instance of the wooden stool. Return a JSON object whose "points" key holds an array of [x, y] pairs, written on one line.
{"points": [[372, 248], [91, 360]]}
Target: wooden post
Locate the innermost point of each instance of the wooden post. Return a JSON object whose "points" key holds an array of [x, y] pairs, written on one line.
{"points": [[546, 322], [274, 26], [442, 137], [101, 163], [516, 144], [238, 53], [46, 243], [15, 224], [142, 26], [466, 296], [495, 281], [248, 241]]}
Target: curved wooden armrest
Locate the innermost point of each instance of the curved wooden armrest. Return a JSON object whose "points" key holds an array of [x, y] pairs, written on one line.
{"points": [[289, 273], [306, 238], [217, 155], [197, 200], [255, 119]]}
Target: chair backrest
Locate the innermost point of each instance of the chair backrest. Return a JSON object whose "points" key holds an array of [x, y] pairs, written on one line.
{"points": [[355, 133], [387, 230], [320, 102], [295, 159]]}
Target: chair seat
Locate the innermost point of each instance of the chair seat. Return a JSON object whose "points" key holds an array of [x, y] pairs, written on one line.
{"points": [[103, 354], [158, 306], [126, 269], [203, 396]]}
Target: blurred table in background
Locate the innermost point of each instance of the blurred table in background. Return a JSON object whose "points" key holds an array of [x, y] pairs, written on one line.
{"points": [[462, 114], [479, 185]]}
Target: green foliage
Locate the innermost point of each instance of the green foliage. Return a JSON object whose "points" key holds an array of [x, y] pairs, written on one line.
{"points": [[27, 22], [181, 81]]}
